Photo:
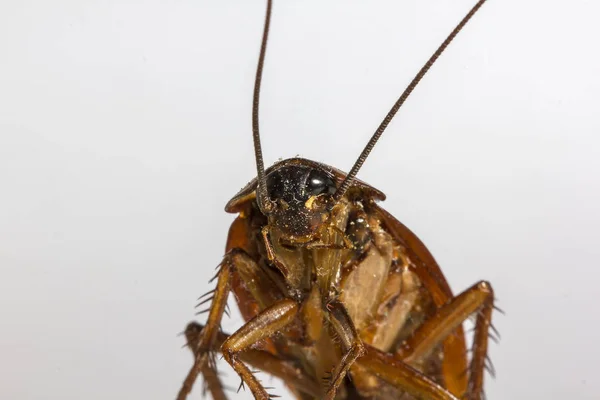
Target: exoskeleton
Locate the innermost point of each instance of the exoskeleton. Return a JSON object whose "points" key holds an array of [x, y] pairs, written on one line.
{"points": [[340, 299]]}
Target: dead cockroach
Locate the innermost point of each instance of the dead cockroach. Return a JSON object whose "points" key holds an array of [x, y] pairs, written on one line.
{"points": [[341, 300]]}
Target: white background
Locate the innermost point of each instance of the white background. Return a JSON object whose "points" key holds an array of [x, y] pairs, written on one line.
{"points": [[125, 128]]}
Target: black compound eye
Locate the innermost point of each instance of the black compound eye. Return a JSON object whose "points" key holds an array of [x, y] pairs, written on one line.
{"points": [[275, 186], [318, 183]]}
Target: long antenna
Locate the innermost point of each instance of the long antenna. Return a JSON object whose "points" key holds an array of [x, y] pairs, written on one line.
{"points": [[261, 191], [411, 86]]}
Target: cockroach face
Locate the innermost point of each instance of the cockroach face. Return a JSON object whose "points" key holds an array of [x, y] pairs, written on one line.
{"points": [[302, 197]]}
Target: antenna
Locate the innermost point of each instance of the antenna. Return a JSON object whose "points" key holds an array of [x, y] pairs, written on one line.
{"points": [[262, 196], [411, 86]]}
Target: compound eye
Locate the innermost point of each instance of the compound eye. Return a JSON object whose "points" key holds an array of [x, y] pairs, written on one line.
{"points": [[275, 186], [318, 183]]}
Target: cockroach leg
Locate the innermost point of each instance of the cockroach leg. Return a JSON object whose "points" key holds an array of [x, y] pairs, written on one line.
{"points": [[343, 326], [271, 252], [396, 371], [382, 364], [205, 344], [266, 323], [212, 383], [267, 240], [261, 360], [202, 342], [480, 343], [401, 375], [235, 261], [479, 299]]}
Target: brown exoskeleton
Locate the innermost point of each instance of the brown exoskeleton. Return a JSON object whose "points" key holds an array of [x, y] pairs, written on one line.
{"points": [[341, 300]]}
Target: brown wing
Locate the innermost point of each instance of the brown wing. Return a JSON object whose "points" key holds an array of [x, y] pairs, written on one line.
{"points": [[455, 352], [239, 238]]}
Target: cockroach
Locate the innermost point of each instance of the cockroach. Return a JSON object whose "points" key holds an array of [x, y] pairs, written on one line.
{"points": [[340, 300]]}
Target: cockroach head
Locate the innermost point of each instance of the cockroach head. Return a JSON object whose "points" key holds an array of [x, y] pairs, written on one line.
{"points": [[298, 199], [301, 197]]}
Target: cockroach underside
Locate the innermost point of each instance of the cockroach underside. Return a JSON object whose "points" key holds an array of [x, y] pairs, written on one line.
{"points": [[341, 300]]}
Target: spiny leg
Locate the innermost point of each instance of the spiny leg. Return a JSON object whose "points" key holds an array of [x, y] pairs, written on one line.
{"points": [[396, 369], [236, 260], [342, 323], [264, 361], [383, 365], [479, 299], [205, 344], [402, 376], [265, 324], [193, 335], [483, 323]]}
